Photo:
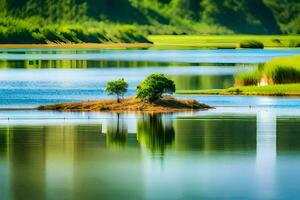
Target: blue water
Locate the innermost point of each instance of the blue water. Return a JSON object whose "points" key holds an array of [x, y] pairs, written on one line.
{"points": [[246, 148], [187, 56]]}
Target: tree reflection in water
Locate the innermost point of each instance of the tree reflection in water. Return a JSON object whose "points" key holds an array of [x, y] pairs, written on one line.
{"points": [[156, 132], [117, 132]]}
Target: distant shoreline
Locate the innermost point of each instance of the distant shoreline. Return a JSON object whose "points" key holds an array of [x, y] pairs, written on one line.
{"points": [[77, 46], [176, 42]]}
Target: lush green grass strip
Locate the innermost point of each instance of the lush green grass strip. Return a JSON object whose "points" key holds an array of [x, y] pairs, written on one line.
{"points": [[196, 92], [270, 90], [222, 41]]}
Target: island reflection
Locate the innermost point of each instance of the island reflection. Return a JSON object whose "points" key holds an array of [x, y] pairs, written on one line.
{"points": [[80, 157]]}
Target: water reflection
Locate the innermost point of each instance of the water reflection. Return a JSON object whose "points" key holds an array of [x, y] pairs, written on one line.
{"points": [[187, 56], [193, 82], [155, 132], [117, 132], [27, 164], [83, 64], [222, 134], [30, 87], [288, 135], [220, 154]]}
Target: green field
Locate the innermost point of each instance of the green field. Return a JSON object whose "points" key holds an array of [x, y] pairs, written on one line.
{"points": [[270, 90], [222, 41]]}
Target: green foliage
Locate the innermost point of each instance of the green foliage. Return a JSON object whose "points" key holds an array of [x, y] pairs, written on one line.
{"points": [[287, 14], [154, 87], [243, 16], [221, 41], [274, 90], [248, 78], [118, 88], [277, 71], [271, 90], [189, 9], [34, 31], [294, 43], [42, 21], [253, 44], [283, 70]]}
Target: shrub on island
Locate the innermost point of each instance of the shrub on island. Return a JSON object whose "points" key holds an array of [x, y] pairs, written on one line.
{"points": [[154, 87]]}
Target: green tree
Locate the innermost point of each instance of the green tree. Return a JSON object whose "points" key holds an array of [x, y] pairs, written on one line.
{"points": [[118, 88], [154, 87], [189, 9]]}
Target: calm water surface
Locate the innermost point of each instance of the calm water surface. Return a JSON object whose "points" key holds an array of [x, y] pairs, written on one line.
{"points": [[246, 148], [33, 77], [153, 157]]}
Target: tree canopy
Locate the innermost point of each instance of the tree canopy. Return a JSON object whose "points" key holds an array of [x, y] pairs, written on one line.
{"points": [[117, 88], [154, 87]]}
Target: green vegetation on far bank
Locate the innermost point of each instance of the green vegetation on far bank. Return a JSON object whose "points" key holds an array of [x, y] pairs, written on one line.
{"points": [[278, 77], [78, 21], [269, 90], [18, 31], [224, 41]]}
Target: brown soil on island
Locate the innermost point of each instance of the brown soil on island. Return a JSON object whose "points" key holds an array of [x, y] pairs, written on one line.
{"points": [[167, 104]]}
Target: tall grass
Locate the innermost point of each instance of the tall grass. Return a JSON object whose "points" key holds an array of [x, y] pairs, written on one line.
{"points": [[248, 78], [277, 71], [283, 70]]}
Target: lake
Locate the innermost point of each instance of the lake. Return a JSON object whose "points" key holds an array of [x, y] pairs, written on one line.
{"points": [[245, 148]]}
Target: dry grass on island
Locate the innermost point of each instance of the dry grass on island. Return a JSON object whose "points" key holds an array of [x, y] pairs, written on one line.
{"points": [[166, 104]]}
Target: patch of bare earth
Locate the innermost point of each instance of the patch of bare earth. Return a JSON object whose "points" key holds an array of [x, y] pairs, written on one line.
{"points": [[166, 104]]}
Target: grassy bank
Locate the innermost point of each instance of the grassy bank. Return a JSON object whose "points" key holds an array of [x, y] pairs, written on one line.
{"points": [[270, 90], [223, 41], [107, 45], [122, 37], [166, 104], [276, 71]]}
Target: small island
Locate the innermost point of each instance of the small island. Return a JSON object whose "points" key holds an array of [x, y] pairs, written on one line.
{"points": [[149, 99], [166, 104]]}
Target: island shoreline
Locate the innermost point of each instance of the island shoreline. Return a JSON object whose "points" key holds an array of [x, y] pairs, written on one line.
{"points": [[164, 105]]}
